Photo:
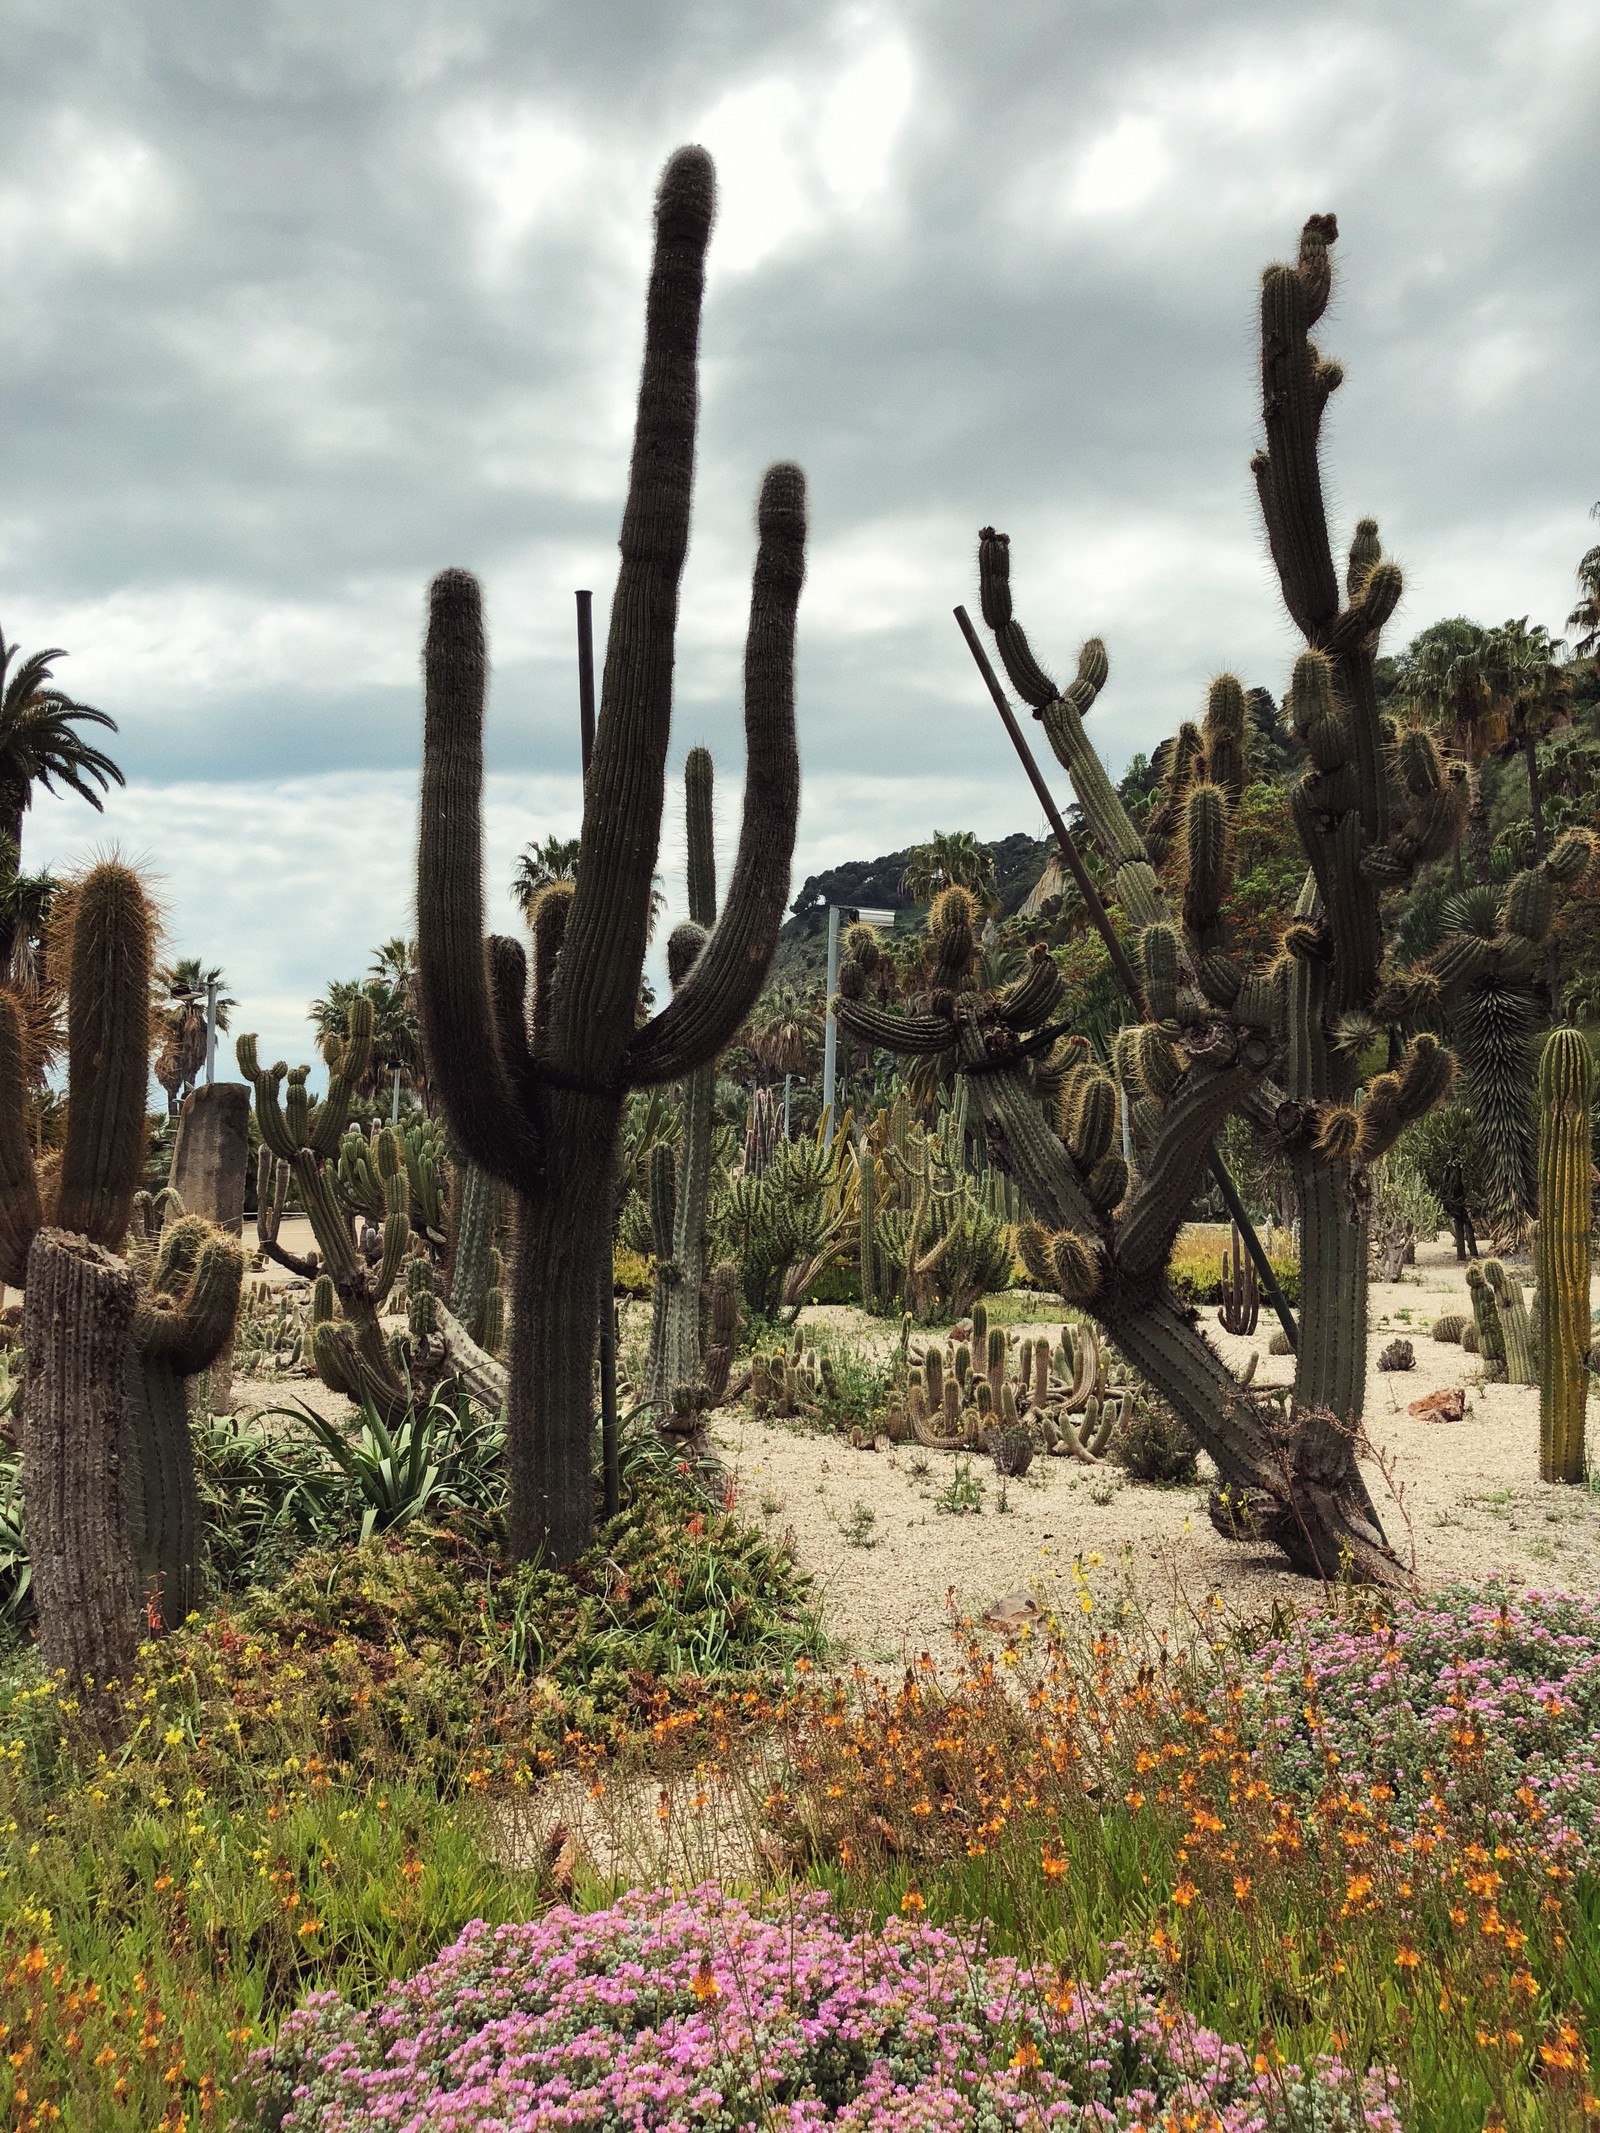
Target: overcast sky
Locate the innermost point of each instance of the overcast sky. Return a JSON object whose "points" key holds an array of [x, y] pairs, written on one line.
{"points": [[305, 300]]}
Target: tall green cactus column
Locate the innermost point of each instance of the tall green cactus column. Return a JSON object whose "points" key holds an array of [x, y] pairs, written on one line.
{"points": [[690, 1231], [536, 1096], [184, 1320], [79, 1296], [1566, 1094]]}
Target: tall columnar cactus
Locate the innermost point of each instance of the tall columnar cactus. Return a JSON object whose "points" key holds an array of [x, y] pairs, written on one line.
{"points": [[537, 1100], [677, 1356], [1280, 1044], [303, 1140], [82, 1306], [1566, 1094]]}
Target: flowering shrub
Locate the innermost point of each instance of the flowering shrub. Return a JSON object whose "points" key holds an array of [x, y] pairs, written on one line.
{"points": [[1487, 1702], [699, 2013]]}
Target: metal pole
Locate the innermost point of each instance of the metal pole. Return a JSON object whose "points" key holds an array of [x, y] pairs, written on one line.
{"points": [[610, 1456], [394, 1100], [788, 1081], [585, 602], [1120, 963], [211, 1031], [830, 1038]]}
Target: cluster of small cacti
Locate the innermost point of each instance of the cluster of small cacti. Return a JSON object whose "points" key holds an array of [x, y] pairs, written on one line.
{"points": [[1397, 1354], [1239, 1309], [787, 1227], [792, 1380], [929, 1237], [1500, 1330], [981, 1386]]}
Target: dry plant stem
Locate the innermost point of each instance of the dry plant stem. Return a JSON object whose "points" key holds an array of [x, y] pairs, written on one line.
{"points": [[77, 1317]]}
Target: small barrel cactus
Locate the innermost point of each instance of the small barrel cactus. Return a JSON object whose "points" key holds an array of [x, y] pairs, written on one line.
{"points": [[1450, 1327], [1398, 1355], [1013, 1452]]}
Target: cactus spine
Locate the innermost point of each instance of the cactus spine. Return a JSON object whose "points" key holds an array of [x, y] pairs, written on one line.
{"points": [[538, 1102], [1566, 1094]]}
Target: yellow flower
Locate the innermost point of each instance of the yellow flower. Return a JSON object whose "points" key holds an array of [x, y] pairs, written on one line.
{"points": [[912, 1904]]}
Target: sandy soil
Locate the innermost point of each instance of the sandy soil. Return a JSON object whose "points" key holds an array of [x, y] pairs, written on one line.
{"points": [[1459, 1500]]}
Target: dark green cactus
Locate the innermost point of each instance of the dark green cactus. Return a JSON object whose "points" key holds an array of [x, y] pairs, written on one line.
{"points": [[183, 1320], [1562, 1268], [1515, 1332], [310, 1142], [680, 1301], [538, 1103], [1227, 1038], [81, 1301]]}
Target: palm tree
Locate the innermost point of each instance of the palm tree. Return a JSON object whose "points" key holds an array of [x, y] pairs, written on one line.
{"points": [[390, 984], [40, 744], [785, 1031], [1586, 615], [541, 865], [1444, 677], [182, 990], [1531, 684], [546, 862], [950, 859]]}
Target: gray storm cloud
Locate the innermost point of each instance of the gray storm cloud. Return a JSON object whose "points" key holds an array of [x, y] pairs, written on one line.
{"points": [[303, 303]]}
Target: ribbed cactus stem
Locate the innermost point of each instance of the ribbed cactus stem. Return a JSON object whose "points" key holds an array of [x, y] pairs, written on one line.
{"points": [[691, 1223], [867, 1214], [1566, 1097], [107, 1055], [1516, 1332]]}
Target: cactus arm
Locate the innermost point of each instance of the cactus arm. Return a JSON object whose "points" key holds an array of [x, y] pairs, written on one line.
{"points": [[1171, 1173], [457, 1023], [596, 993], [108, 1023], [266, 1082], [1292, 300], [508, 1003], [483, 1377], [718, 993], [920, 1036], [347, 1063], [700, 838], [20, 1213]]}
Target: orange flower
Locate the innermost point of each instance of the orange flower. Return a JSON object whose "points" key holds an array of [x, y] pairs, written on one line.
{"points": [[912, 1904], [706, 1987], [1406, 1957], [1184, 1894]]}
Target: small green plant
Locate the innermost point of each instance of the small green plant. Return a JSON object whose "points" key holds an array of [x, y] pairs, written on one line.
{"points": [[962, 1494], [860, 1527], [1151, 1444]]}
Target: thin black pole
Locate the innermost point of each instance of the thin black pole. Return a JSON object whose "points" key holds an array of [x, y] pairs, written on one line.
{"points": [[585, 602], [610, 1461], [1120, 963]]}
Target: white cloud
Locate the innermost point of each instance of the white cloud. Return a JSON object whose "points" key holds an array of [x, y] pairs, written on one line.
{"points": [[803, 148], [81, 188], [527, 165]]}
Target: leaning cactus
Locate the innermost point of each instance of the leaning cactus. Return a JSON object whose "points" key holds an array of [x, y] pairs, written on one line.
{"points": [[537, 1098], [1566, 1095], [1226, 1036]]}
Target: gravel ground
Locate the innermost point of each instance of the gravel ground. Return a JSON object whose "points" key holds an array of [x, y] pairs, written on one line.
{"points": [[1459, 1499]]}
